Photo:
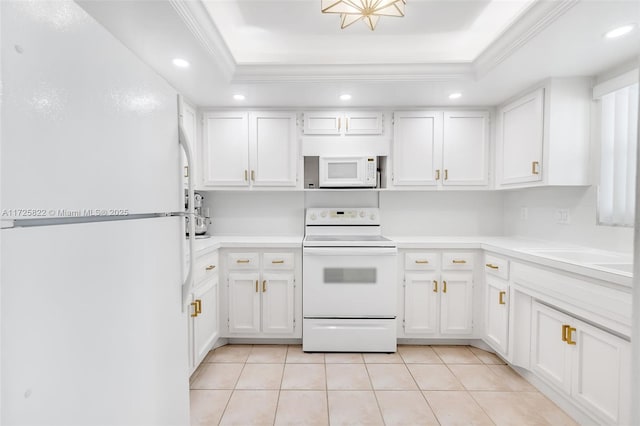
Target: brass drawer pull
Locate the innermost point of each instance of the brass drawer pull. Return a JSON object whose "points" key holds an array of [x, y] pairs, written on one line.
{"points": [[435, 286], [492, 266], [501, 298], [458, 261], [257, 286], [422, 261], [253, 175], [444, 286], [198, 306], [210, 267], [195, 309], [569, 331], [242, 261], [246, 175], [277, 261], [534, 167], [565, 327], [438, 174], [264, 286], [446, 174]]}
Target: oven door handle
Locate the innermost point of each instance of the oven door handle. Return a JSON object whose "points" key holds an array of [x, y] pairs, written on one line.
{"points": [[350, 251]]}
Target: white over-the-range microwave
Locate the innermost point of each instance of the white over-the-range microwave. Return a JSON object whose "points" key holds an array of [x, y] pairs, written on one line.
{"points": [[348, 172]]}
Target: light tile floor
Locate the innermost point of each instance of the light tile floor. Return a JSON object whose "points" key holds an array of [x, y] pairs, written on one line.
{"points": [[419, 385]]}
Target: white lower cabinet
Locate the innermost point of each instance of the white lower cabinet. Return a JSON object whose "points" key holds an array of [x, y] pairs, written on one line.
{"points": [[497, 314], [437, 301], [587, 363], [204, 309], [263, 300]]}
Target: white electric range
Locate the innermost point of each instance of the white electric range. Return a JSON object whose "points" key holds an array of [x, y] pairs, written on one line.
{"points": [[349, 282]]}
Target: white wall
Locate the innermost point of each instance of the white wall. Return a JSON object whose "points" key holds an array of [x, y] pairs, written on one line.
{"points": [[255, 213], [541, 222], [442, 213]]}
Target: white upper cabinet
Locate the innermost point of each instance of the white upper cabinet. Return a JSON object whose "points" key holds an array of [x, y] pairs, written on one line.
{"points": [[273, 153], [522, 137], [257, 149], [440, 149], [226, 149], [417, 145], [339, 123], [543, 136], [465, 148]]}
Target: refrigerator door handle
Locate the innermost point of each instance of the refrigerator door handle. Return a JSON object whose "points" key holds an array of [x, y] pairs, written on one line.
{"points": [[184, 143]]}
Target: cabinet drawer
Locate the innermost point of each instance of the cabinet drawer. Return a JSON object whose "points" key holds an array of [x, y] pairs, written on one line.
{"points": [[278, 261], [497, 266], [457, 261], [243, 261], [422, 261], [206, 266]]}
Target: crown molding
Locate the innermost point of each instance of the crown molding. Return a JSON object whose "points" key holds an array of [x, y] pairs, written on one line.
{"points": [[535, 19], [356, 72], [194, 14]]}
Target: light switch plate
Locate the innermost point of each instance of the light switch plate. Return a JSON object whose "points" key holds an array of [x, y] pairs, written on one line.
{"points": [[562, 216]]}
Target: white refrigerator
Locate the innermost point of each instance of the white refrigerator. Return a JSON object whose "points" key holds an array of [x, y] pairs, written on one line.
{"points": [[92, 324]]}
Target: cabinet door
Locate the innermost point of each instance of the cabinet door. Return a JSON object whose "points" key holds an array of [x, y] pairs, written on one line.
{"points": [[322, 123], [277, 303], [550, 355], [244, 302], [601, 371], [521, 128], [189, 124], [225, 153], [417, 148], [465, 148], [421, 311], [363, 123], [456, 297], [205, 325], [497, 314], [273, 149]]}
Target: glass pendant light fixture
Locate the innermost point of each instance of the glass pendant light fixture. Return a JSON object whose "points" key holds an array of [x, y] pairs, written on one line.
{"points": [[368, 11]]}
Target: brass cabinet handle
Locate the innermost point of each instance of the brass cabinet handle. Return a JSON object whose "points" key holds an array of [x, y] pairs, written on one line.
{"points": [[422, 261], [564, 332], [257, 286], [242, 261], [501, 298], [444, 286], [456, 261], [446, 174], [186, 171], [346, 123], [438, 174], [253, 175], [264, 286], [195, 309], [492, 266], [246, 175], [569, 331], [210, 267], [534, 167], [277, 261], [198, 306], [435, 286], [339, 123]]}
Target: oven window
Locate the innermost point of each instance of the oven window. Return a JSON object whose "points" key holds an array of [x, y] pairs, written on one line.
{"points": [[342, 170], [349, 275]]}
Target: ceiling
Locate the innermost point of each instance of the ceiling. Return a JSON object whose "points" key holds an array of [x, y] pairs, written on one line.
{"points": [[295, 32], [288, 54]]}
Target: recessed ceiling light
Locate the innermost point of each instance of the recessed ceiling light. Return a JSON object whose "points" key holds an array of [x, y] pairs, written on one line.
{"points": [[620, 31], [239, 97], [345, 97], [455, 95], [181, 63]]}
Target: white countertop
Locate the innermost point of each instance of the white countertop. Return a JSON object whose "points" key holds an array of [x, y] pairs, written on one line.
{"points": [[599, 264]]}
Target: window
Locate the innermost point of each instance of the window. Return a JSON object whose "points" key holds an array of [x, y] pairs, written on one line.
{"points": [[619, 140]]}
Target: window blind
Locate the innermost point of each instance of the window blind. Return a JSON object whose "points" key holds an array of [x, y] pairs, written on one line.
{"points": [[619, 140]]}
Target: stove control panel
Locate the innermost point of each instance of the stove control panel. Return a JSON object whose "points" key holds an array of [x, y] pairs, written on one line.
{"points": [[346, 216]]}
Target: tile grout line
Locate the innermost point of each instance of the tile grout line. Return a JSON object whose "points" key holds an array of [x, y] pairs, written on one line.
{"points": [[284, 366], [420, 390], [326, 387], [375, 395], [233, 391]]}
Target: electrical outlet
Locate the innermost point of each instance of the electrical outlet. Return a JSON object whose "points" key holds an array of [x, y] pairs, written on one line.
{"points": [[524, 213], [562, 216]]}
